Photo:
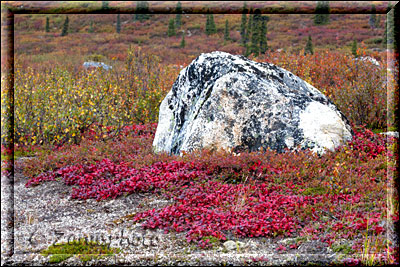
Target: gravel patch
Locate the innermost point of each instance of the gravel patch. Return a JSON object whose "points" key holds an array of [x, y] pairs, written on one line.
{"points": [[45, 214]]}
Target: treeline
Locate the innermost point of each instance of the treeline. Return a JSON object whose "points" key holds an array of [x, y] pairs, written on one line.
{"points": [[253, 27], [253, 32]]}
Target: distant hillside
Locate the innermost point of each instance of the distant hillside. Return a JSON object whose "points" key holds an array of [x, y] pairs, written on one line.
{"points": [[96, 34]]}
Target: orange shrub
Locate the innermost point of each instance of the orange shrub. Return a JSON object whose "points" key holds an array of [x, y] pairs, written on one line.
{"points": [[357, 87]]}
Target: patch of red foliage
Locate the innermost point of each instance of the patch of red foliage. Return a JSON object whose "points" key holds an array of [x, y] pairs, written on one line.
{"points": [[247, 195]]}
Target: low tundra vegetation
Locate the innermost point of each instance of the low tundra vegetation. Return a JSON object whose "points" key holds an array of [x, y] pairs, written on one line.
{"points": [[93, 131], [345, 194]]}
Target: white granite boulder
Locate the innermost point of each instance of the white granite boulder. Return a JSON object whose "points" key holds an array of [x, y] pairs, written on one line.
{"points": [[224, 101]]}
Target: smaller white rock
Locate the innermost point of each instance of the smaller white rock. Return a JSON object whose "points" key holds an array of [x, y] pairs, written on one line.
{"points": [[370, 60], [394, 134], [92, 64], [232, 245]]}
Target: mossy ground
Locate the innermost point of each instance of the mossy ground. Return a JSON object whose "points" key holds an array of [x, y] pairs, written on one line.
{"points": [[85, 250]]}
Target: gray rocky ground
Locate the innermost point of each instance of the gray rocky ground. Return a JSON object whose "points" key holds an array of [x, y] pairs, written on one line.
{"points": [[45, 214]]}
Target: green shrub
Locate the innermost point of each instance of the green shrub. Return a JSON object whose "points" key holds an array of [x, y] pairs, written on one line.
{"points": [[342, 248], [311, 191], [212, 241]]}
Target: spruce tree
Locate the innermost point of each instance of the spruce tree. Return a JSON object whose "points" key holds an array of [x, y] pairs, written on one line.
{"points": [[91, 27], [256, 33], [146, 10], [210, 25], [139, 11], [118, 27], [263, 37], [243, 25], [372, 17], [226, 33], [171, 28], [309, 47], [65, 27], [104, 5], [47, 24], [354, 48], [249, 28], [318, 18], [321, 13], [178, 19], [247, 51], [183, 43], [248, 35], [213, 28], [208, 31], [325, 10], [142, 10]]}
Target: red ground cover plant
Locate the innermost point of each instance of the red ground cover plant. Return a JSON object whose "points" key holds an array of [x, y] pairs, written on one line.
{"points": [[341, 195]]}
